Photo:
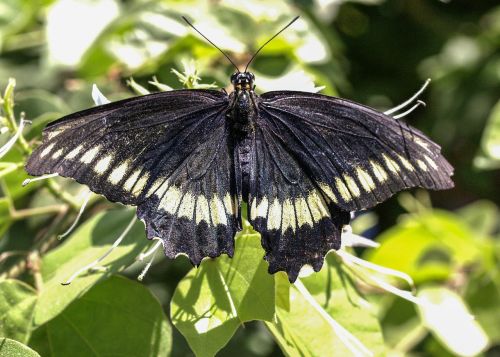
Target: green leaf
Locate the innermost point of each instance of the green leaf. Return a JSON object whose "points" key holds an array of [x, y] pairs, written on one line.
{"points": [[303, 330], [89, 242], [482, 216], [39, 102], [17, 304], [448, 318], [489, 155], [427, 246], [212, 301], [11, 348], [402, 327], [5, 219], [483, 295], [117, 317]]}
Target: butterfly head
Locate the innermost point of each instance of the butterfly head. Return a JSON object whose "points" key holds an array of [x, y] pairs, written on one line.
{"points": [[242, 80]]}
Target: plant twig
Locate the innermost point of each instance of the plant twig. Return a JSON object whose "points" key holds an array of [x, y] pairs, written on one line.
{"points": [[29, 212]]}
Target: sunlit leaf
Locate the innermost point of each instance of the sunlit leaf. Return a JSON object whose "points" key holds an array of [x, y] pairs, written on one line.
{"points": [[12, 348], [17, 304], [117, 317], [446, 315], [483, 296], [212, 301], [88, 243], [427, 247], [302, 330], [489, 156], [400, 323]]}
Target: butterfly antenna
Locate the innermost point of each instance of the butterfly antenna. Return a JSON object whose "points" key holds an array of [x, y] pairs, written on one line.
{"points": [[272, 38], [213, 44]]}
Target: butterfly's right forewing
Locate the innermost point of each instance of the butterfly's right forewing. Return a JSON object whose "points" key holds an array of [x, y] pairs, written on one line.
{"points": [[167, 153]]}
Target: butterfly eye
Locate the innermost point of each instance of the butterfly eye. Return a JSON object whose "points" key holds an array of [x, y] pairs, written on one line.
{"points": [[252, 76], [234, 77]]}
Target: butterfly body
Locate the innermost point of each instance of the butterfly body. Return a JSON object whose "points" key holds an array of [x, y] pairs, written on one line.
{"points": [[188, 159], [243, 116]]}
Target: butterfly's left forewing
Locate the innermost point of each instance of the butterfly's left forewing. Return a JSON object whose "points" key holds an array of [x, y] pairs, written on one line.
{"points": [[166, 153], [358, 156], [316, 159]]}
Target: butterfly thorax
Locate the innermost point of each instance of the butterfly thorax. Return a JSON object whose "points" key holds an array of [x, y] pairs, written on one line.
{"points": [[242, 111]]}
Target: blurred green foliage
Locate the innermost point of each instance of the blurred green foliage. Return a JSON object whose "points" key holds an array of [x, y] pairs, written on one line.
{"points": [[376, 52]]}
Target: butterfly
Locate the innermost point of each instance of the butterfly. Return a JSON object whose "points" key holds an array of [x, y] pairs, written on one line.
{"points": [[188, 159]]}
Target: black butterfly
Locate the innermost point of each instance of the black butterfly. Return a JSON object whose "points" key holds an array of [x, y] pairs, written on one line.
{"points": [[188, 159]]}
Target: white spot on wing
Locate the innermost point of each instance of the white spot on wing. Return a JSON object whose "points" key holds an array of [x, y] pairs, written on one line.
{"points": [[74, 152], [391, 164], [342, 188], [365, 179], [261, 210], [186, 208], [379, 172], [422, 165], [253, 209], [353, 188], [90, 155], [431, 162], [217, 211], [171, 200], [274, 216], [230, 204], [118, 173], [406, 163], [103, 164], [46, 150], [53, 134], [159, 188], [303, 214], [202, 211], [131, 180], [140, 184], [57, 154], [288, 216], [317, 206], [327, 190]]}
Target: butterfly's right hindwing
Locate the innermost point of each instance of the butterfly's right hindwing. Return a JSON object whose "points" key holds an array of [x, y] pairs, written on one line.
{"points": [[166, 153]]}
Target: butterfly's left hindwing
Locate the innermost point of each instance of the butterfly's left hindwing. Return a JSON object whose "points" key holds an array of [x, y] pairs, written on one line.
{"points": [[166, 153], [297, 223]]}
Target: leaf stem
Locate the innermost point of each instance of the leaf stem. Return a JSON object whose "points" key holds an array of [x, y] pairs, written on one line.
{"points": [[9, 167], [102, 257], [33, 264], [29, 212]]}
